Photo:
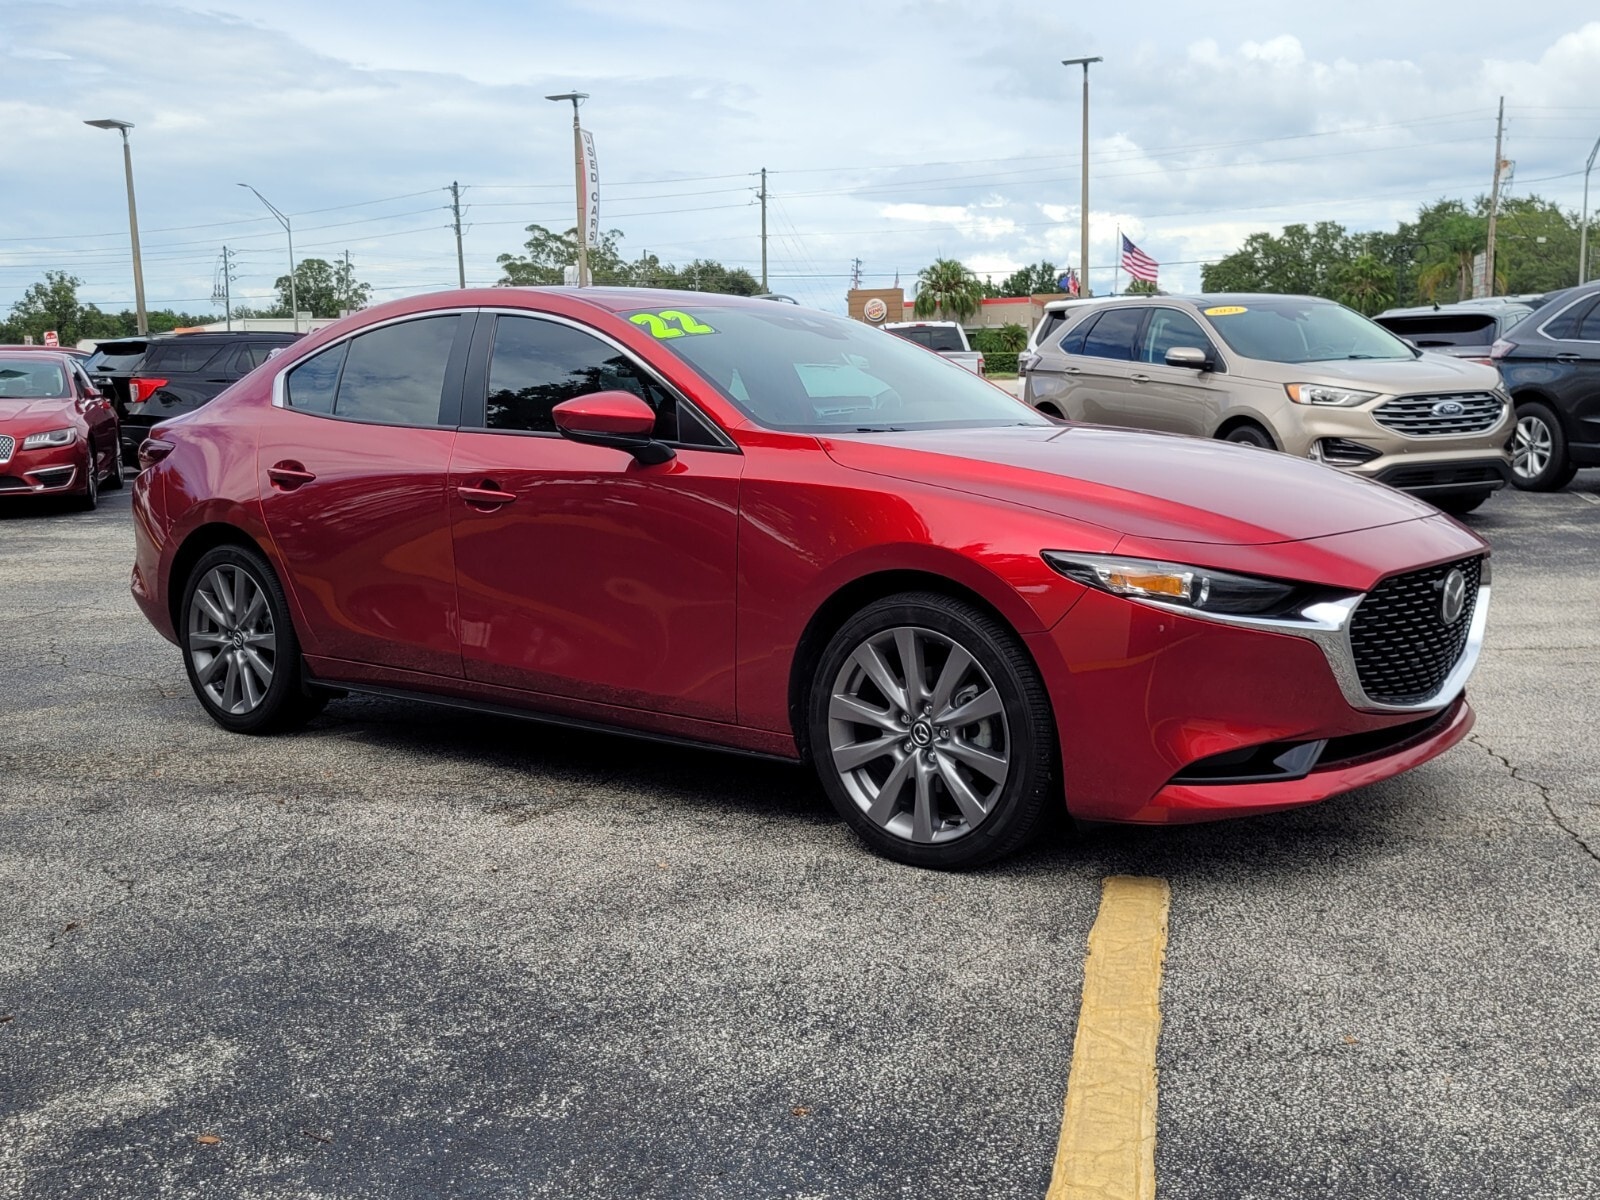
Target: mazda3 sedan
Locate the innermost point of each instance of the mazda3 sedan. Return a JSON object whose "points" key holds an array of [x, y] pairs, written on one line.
{"points": [[758, 527]]}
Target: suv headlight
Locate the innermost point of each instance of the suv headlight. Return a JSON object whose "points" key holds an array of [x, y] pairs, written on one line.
{"points": [[1180, 586], [56, 437], [1333, 397]]}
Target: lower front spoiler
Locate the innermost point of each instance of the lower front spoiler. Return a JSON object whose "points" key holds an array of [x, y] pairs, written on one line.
{"points": [[1186, 803]]}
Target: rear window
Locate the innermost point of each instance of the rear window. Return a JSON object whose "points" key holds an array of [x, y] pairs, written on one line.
{"points": [[179, 355], [1444, 329], [115, 356], [934, 337]]}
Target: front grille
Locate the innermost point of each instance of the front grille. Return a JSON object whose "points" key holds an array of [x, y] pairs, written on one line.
{"points": [[1432, 475], [1404, 650], [7, 445], [1421, 416]]}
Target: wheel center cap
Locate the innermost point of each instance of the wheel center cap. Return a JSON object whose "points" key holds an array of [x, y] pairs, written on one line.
{"points": [[922, 733], [237, 639]]}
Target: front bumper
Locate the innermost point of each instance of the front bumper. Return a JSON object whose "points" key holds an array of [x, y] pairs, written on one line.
{"points": [[1154, 707], [51, 471]]}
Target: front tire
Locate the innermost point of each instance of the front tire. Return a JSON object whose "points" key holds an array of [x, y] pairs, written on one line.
{"points": [[239, 645], [1461, 504], [932, 733], [1250, 435], [1539, 450]]}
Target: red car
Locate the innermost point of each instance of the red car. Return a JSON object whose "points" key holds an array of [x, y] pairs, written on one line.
{"points": [[58, 434], [760, 527]]}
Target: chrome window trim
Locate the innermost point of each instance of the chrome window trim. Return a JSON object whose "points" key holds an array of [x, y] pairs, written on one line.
{"points": [[280, 381], [1550, 337]]}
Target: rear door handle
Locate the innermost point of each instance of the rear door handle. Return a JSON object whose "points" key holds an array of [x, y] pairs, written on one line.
{"points": [[1140, 378], [1072, 371], [288, 475], [1567, 358], [487, 496]]}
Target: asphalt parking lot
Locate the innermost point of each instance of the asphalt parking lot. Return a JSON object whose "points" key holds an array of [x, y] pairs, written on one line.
{"points": [[412, 953]]}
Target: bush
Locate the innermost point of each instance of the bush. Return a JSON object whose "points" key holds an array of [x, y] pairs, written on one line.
{"points": [[1000, 362]]}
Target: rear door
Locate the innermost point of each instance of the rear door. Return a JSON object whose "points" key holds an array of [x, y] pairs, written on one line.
{"points": [[583, 573], [353, 457], [1578, 386], [1099, 387]]}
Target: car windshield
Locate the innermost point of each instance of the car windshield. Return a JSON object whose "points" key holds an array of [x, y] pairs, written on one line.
{"points": [[23, 378], [795, 369], [1290, 330]]}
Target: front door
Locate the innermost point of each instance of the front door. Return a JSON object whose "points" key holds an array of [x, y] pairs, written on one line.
{"points": [[353, 465], [1176, 399], [582, 573]]}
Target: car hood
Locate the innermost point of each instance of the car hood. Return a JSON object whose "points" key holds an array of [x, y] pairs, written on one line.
{"points": [[1143, 485], [1432, 372], [21, 417]]}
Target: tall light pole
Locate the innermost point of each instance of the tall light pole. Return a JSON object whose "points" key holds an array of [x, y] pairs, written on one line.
{"points": [[1083, 231], [294, 295], [1583, 237], [133, 218], [578, 98]]}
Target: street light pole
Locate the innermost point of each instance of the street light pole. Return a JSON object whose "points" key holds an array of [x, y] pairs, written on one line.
{"points": [[294, 295], [1083, 229], [577, 161], [1583, 237], [133, 218]]}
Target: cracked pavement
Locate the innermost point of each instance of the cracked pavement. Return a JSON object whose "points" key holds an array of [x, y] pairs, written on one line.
{"points": [[416, 953]]}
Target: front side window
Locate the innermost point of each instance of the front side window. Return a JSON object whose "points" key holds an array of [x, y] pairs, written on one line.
{"points": [[1112, 335], [535, 365], [395, 375], [1170, 329]]}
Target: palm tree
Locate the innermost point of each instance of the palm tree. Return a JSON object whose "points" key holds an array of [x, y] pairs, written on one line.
{"points": [[1364, 284], [1459, 238], [948, 288]]}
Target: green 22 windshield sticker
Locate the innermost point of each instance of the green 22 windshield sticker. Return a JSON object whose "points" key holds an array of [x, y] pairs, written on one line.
{"points": [[662, 324]]}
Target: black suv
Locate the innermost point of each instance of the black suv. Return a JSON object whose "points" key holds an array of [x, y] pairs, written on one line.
{"points": [[111, 366], [1551, 366], [180, 373]]}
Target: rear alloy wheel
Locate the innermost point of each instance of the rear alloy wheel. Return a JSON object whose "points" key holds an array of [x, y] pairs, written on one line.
{"points": [[239, 647], [932, 733], [114, 475], [1250, 435], [1539, 451]]}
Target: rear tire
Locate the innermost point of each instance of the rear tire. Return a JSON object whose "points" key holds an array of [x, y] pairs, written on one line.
{"points": [[1250, 435], [114, 475], [932, 732], [1460, 505], [1539, 450], [239, 646], [89, 498]]}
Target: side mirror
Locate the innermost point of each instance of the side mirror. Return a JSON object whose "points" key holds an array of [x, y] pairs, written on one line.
{"points": [[1191, 357], [617, 419]]}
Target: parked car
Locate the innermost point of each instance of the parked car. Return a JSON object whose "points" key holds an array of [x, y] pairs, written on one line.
{"points": [[180, 373], [1293, 373], [1551, 365], [1465, 330], [112, 364], [628, 508], [945, 338], [58, 434]]}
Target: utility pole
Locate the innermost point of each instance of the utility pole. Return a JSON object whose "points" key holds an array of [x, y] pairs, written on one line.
{"points": [[1083, 230], [855, 273], [764, 230], [1583, 237], [349, 281], [1494, 202], [578, 98], [223, 291], [455, 208], [140, 316]]}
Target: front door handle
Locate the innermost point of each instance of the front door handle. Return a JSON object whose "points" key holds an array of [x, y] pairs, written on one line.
{"points": [[288, 475], [487, 496], [1073, 371], [1566, 358], [1140, 378]]}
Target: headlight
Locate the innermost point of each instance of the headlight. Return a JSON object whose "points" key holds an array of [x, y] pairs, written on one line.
{"points": [[1333, 397], [1177, 585], [56, 437]]}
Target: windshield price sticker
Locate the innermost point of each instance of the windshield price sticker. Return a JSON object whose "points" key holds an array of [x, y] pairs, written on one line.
{"points": [[1225, 310], [670, 323]]}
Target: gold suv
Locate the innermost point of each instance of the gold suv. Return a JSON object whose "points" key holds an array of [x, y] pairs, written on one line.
{"points": [[1293, 373]]}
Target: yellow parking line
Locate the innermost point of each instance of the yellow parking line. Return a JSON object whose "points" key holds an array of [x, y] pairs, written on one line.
{"points": [[1107, 1149]]}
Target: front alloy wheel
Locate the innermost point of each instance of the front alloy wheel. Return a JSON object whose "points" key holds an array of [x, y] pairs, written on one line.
{"points": [[932, 733], [239, 647]]}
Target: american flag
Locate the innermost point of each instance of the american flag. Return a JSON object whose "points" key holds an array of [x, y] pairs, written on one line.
{"points": [[1137, 263]]}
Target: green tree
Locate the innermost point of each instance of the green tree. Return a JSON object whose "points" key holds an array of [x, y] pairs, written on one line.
{"points": [[52, 303], [1365, 284], [1039, 279], [1299, 261], [1141, 287], [322, 288], [546, 254], [946, 287], [703, 275]]}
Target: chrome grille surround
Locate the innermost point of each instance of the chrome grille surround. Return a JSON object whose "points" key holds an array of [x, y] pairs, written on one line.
{"points": [[7, 445], [1442, 414]]}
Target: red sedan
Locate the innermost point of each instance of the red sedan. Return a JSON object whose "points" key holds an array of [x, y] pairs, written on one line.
{"points": [[755, 526], [58, 434]]}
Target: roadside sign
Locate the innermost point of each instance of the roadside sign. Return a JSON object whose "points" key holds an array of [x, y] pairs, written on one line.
{"points": [[50, 338]]}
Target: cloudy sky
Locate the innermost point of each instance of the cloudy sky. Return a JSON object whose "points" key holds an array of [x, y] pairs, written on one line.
{"points": [[894, 132]]}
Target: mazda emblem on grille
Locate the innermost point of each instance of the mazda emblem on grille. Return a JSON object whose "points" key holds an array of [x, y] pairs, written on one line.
{"points": [[1455, 597], [1449, 408]]}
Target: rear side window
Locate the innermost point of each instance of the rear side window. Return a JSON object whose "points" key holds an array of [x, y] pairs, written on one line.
{"points": [[177, 356], [310, 387], [1565, 324], [535, 365], [395, 375], [1112, 335], [1589, 327], [1048, 327]]}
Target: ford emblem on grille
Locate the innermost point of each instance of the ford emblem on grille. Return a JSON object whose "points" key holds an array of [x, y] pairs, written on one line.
{"points": [[1455, 597], [1449, 408]]}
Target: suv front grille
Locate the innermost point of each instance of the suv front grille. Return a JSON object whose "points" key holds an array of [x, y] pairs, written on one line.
{"points": [[1404, 650], [1421, 416], [7, 445]]}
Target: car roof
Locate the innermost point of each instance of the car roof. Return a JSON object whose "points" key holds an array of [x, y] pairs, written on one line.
{"points": [[51, 351], [1075, 302], [1487, 308], [621, 299]]}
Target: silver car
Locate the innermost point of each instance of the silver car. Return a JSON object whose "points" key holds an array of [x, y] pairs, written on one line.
{"points": [[1293, 373]]}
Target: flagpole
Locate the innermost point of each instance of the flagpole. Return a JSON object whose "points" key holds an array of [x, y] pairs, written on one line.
{"points": [[1116, 270]]}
